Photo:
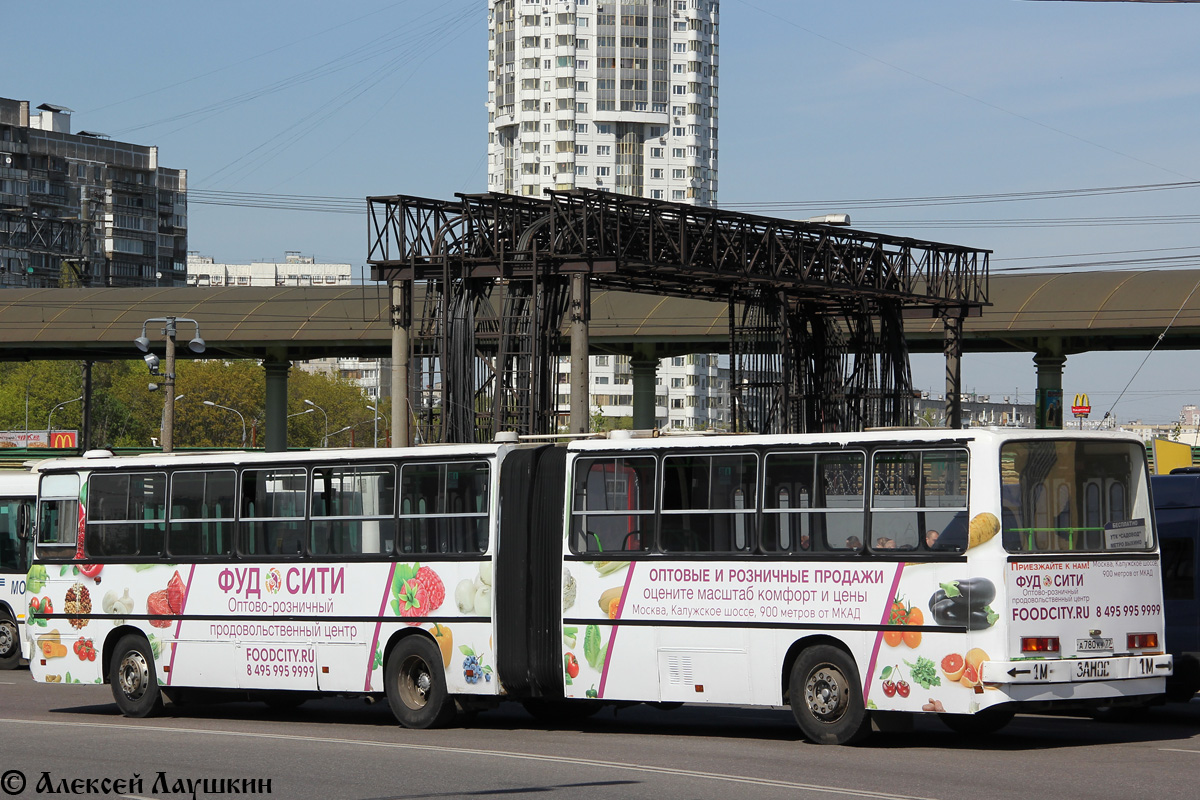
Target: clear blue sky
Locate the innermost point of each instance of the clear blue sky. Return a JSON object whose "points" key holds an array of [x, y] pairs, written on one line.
{"points": [[823, 107]]}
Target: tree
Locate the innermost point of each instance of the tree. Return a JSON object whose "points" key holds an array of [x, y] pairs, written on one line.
{"points": [[125, 413]]}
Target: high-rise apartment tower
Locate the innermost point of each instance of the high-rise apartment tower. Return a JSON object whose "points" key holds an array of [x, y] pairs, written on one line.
{"points": [[615, 95]]}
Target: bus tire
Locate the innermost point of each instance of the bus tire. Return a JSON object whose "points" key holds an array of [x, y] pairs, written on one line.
{"points": [[981, 723], [134, 678], [826, 696], [416, 684], [10, 642]]}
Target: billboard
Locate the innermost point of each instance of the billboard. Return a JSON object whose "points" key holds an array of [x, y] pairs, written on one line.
{"points": [[67, 440]]}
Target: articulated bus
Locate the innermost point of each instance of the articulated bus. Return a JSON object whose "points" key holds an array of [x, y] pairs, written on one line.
{"points": [[855, 577], [18, 492]]}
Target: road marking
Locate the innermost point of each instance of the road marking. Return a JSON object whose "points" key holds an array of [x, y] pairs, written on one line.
{"points": [[1178, 750], [587, 762]]}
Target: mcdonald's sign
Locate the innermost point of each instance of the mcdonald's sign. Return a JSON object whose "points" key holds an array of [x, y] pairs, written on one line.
{"points": [[63, 439], [1082, 406]]}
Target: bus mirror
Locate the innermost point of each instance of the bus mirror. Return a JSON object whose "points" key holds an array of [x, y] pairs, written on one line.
{"points": [[24, 518]]}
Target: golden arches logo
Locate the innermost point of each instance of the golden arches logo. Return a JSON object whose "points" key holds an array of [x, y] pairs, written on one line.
{"points": [[63, 439]]}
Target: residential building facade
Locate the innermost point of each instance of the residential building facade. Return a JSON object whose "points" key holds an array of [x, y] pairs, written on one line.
{"points": [[691, 392], [369, 374], [614, 95], [79, 209]]}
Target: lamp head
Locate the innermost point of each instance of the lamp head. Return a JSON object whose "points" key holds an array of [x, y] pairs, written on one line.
{"points": [[151, 363], [152, 387], [196, 345], [142, 343]]}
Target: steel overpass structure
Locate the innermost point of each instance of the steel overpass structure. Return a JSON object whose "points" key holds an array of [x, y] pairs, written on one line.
{"points": [[1051, 316]]}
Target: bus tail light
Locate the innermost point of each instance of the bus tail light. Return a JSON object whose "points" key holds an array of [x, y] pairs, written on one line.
{"points": [[1039, 644], [1141, 641]]}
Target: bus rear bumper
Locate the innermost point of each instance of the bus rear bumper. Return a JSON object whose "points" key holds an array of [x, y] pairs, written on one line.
{"points": [[1079, 678], [1076, 670]]}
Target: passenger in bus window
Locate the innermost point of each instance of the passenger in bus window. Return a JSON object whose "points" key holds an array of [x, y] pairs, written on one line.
{"points": [[854, 543], [805, 542], [885, 543], [931, 537]]}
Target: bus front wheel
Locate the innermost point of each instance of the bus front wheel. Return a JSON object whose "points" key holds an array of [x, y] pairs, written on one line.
{"points": [[826, 696], [10, 643], [416, 684], [133, 677]]}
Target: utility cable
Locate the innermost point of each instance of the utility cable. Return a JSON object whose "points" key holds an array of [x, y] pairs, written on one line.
{"points": [[1157, 341]]}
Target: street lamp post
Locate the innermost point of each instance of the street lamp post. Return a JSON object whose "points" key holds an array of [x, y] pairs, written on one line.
{"points": [[196, 345], [234, 410], [49, 430], [325, 440], [163, 422]]}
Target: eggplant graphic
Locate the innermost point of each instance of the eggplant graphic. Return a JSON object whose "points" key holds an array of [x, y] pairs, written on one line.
{"points": [[965, 603]]}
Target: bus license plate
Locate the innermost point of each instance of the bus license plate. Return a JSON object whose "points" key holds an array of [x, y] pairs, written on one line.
{"points": [[1094, 645]]}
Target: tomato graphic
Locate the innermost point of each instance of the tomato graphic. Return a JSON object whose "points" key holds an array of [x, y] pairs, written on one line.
{"points": [[572, 665]]}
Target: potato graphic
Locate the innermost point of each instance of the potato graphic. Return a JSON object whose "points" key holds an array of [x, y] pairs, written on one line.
{"points": [[983, 527]]}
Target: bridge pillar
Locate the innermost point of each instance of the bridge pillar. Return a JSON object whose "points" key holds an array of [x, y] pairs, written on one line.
{"points": [[644, 366], [580, 421], [1049, 361], [276, 365]]}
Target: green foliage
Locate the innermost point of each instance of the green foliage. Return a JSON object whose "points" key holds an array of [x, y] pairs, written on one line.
{"points": [[126, 414]]}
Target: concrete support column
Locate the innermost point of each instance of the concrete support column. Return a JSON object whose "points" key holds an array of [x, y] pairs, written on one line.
{"points": [[644, 367], [580, 301], [952, 319], [1049, 361], [401, 391], [276, 365]]}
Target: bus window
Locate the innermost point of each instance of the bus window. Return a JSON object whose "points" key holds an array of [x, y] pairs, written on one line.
{"points": [[612, 506], [444, 507], [919, 500], [812, 502], [709, 503], [14, 516], [126, 514], [58, 516], [353, 510], [202, 513], [272, 521], [1067, 495]]}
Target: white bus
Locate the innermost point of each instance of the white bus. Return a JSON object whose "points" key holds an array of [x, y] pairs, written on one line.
{"points": [[855, 576], [18, 491]]}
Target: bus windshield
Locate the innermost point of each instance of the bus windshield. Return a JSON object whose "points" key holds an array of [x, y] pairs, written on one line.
{"points": [[1074, 495]]}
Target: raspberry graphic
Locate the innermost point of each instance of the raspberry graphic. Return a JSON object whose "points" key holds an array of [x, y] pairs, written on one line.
{"points": [[412, 599], [435, 590]]}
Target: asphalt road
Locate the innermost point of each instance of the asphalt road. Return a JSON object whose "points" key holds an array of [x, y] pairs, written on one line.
{"points": [[333, 748]]}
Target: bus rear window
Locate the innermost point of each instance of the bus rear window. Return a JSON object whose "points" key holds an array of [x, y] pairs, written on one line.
{"points": [[1074, 495]]}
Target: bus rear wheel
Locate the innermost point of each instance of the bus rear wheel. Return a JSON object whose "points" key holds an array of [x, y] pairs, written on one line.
{"points": [[10, 643], [416, 684], [134, 679], [826, 696]]}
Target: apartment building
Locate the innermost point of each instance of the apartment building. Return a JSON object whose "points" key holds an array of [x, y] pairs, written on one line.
{"points": [[370, 374], [616, 96], [80, 209], [691, 392]]}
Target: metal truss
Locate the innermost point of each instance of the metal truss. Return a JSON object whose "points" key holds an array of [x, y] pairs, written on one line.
{"points": [[816, 330]]}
